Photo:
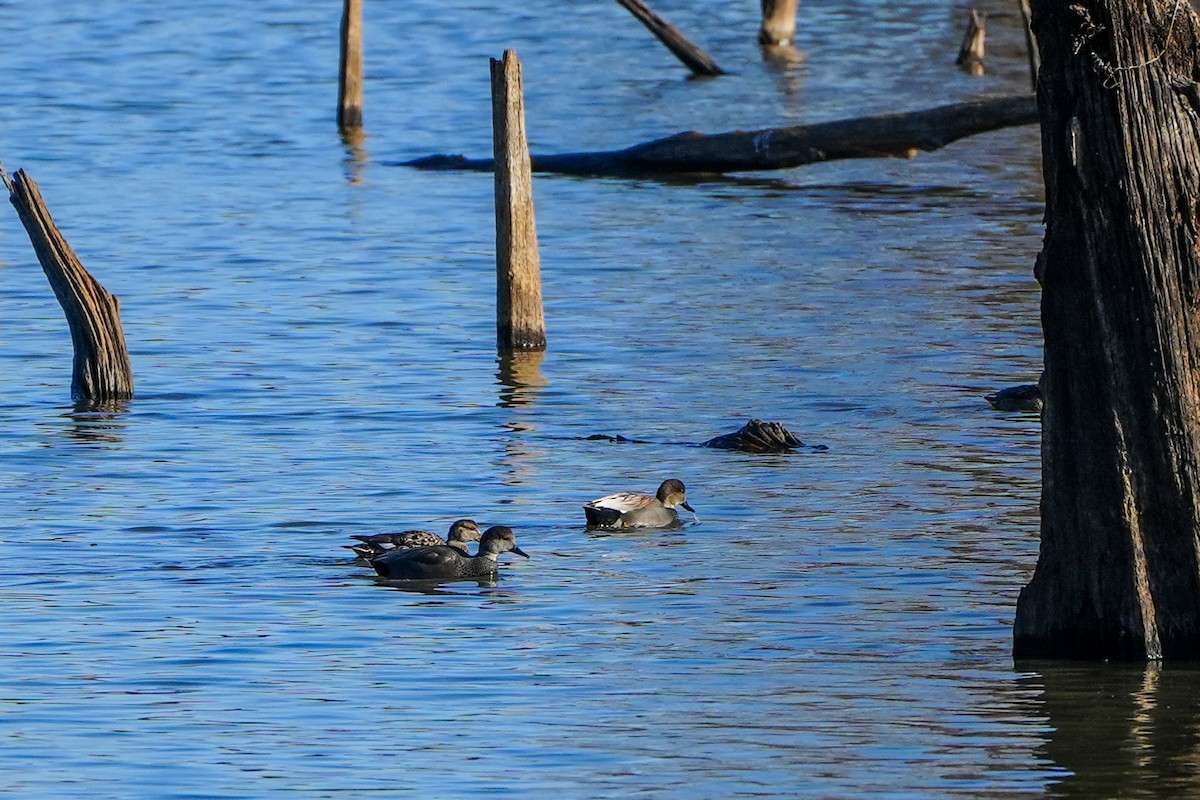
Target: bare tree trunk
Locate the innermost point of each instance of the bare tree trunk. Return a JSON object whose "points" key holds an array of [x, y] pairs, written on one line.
{"points": [[778, 22], [1119, 571], [971, 52], [101, 373]]}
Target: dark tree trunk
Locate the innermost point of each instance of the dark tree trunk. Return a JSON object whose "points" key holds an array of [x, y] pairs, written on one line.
{"points": [[1119, 571]]}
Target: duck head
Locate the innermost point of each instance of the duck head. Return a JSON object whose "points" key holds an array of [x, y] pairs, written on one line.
{"points": [[499, 539], [672, 493]]}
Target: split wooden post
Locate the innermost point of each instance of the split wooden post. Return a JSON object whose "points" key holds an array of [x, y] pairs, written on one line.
{"points": [[101, 373], [350, 69], [970, 53], [778, 22], [520, 319], [692, 56]]}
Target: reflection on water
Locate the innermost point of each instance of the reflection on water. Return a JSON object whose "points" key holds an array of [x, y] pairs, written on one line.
{"points": [[520, 376], [354, 140], [1121, 731]]}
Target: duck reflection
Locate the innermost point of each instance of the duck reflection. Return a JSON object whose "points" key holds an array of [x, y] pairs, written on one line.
{"points": [[1122, 731]]}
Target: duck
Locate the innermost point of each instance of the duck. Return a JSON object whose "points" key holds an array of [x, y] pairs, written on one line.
{"points": [[443, 562], [633, 510], [461, 532], [1017, 398]]}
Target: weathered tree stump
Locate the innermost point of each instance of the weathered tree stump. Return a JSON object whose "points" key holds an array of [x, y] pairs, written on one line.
{"points": [[520, 319], [692, 56], [778, 22], [101, 371], [887, 135], [350, 67], [1118, 575], [971, 52]]}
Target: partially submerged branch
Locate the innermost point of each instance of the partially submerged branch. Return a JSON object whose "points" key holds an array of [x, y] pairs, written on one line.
{"points": [[102, 373], [886, 135]]}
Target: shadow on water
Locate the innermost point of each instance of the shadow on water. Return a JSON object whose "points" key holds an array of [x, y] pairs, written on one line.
{"points": [[1121, 731]]}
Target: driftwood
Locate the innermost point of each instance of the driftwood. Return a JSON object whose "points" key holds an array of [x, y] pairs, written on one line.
{"points": [[350, 67], [693, 57], [520, 319], [101, 373], [887, 135]]}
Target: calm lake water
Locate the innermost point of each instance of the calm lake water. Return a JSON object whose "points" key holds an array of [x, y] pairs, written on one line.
{"points": [[312, 333]]}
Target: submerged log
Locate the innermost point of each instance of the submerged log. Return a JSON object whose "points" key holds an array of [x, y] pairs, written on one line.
{"points": [[1027, 397], [520, 318], [886, 135], [101, 373], [692, 56], [757, 436], [1118, 574]]}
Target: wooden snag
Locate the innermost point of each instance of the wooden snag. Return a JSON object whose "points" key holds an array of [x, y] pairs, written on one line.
{"points": [[520, 319], [692, 56], [1118, 574], [350, 67], [885, 135], [778, 22], [970, 53], [101, 373]]}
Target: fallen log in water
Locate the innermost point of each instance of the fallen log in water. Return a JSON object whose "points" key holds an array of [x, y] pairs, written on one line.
{"points": [[885, 135], [101, 373]]}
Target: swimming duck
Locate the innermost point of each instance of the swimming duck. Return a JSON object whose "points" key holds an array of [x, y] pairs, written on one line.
{"points": [[442, 562], [633, 510], [1017, 398], [461, 532]]}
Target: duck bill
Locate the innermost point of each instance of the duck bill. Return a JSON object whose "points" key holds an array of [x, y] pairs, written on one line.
{"points": [[519, 551], [689, 508]]}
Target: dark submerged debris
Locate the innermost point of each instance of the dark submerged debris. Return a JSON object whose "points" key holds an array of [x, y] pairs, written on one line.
{"points": [[757, 436]]}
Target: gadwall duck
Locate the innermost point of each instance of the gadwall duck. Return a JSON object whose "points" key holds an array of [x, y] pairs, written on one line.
{"points": [[461, 532], [633, 510], [442, 562]]}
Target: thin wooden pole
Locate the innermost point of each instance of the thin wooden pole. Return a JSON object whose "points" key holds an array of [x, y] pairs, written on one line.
{"points": [[101, 371], [970, 53], [778, 22], [520, 319], [350, 69], [692, 56]]}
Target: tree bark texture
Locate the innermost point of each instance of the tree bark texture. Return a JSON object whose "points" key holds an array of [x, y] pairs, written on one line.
{"points": [[101, 373], [1118, 575], [692, 55], [887, 135], [350, 67], [520, 319]]}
